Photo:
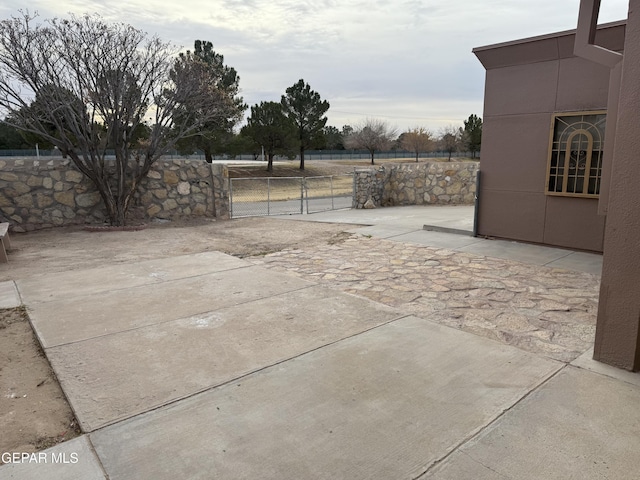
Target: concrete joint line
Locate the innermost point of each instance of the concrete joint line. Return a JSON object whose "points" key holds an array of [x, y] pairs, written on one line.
{"points": [[479, 240], [475, 460], [20, 299], [564, 256], [139, 327], [97, 457], [481, 429], [243, 376], [160, 281], [401, 234], [608, 375]]}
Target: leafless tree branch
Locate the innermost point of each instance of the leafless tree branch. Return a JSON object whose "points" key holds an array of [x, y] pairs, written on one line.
{"points": [[373, 135], [86, 85]]}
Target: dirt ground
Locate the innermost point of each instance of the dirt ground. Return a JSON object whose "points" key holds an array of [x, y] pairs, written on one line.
{"points": [[71, 248], [34, 413]]}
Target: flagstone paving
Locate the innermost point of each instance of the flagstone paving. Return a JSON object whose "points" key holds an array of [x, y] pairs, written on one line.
{"points": [[543, 310]]}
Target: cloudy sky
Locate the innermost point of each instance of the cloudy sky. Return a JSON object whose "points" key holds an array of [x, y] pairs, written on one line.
{"points": [[408, 62]]}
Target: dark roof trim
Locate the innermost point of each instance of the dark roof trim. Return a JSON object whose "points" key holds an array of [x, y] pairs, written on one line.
{"points": [[545, 48], [548, 36]]}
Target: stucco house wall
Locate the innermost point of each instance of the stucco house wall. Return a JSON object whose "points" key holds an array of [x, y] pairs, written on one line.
{"points": [[527, 82]]}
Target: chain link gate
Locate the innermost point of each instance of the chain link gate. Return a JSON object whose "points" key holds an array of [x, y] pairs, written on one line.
{"points": [[329, 192], [251, 197]]}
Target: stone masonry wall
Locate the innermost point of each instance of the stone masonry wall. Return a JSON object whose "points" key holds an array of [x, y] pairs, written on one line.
{"points": [[37, 194], [437, 183]]}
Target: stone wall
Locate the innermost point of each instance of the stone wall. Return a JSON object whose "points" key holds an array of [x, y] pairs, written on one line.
{"points": [[437, 183], [38, 194], [183, 188]]}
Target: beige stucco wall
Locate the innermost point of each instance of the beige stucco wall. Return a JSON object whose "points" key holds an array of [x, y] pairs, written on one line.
{"points": [[618, 329], [527, 81]]}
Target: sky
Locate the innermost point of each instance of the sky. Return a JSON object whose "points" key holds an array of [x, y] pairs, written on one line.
{"points": [[407, 62]]}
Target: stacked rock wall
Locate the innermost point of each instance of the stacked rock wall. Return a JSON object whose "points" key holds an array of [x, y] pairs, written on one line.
{"points": [[437, 183], [38, 194]]}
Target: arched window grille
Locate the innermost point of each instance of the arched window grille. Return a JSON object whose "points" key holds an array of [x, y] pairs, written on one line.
{"points": [[577, 145]]}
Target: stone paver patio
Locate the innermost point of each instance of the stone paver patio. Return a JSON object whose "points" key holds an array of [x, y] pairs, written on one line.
{"points": [[542, 310]]}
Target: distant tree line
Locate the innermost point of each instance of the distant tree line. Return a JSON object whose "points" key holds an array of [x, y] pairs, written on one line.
{"points": [[269, 128]]}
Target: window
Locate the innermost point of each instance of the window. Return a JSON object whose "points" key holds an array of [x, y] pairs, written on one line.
{"points": [[575, 161]]}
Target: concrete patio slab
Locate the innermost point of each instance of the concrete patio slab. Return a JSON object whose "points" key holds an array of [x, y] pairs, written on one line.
{"points": [[61, 321], [76, 283], [587, 362], [383, 404], [521, 252], [72, 460], [579, 261], [112, 377], [382, 231], [451, 241], [578, 425], [411, 216], [437, 228], [9, 297]]}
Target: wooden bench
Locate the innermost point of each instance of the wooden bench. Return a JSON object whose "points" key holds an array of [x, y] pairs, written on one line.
{"points": [[5, 243]]}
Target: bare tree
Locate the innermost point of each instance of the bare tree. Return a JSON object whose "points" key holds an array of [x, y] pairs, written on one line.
{"points": [[417, 140], [450, 139], [96, 83], [373, 135]]}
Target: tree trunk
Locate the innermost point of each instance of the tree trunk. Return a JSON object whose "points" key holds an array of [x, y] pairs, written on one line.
{"points": [[111, 207], [270, 162], [121, 213], [301, 158], [115, 214], [116, 205], [417, 154], [207, 155], [101, 182], [372, 162], [115, 191]]}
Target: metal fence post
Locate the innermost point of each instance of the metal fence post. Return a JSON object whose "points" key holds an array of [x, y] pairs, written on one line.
{"points": [[333, 207], [230, 198]]}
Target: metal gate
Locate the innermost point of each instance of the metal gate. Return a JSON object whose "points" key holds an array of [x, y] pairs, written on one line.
{"points": [[252, 197]]}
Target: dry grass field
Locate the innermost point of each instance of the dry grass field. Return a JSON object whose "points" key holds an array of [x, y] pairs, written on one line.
{"points": [[257, 188], [313, 168]]}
